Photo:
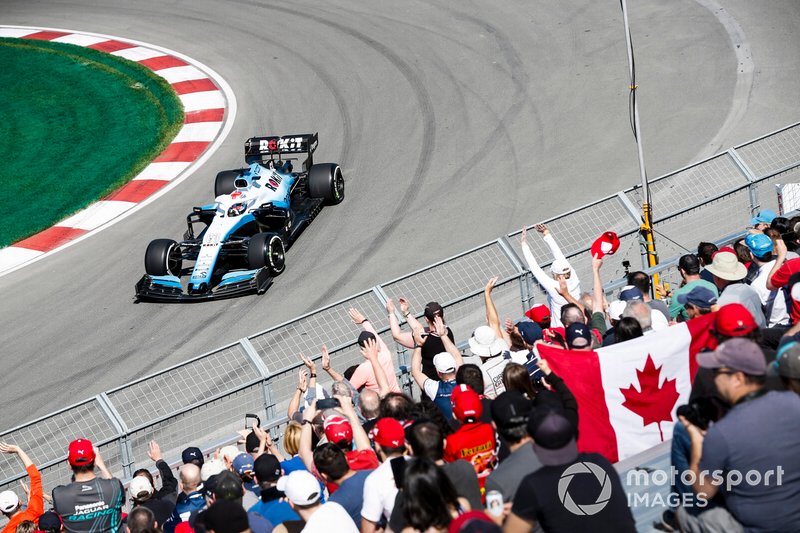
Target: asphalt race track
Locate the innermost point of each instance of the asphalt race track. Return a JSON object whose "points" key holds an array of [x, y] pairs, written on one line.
{"points": [[455, 122]]}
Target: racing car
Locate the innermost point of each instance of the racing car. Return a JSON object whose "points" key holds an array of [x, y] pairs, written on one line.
{"points": [[238, 243]]}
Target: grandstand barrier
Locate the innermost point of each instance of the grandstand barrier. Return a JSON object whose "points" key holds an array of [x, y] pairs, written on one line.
{"points": [[203, 400]]}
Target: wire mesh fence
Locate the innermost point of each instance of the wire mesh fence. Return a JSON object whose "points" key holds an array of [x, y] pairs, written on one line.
{"points": [[203, 401]]}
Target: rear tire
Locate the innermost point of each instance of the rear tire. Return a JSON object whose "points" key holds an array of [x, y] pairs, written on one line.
{"points": [[163, 258], [224, 182], [267, 250], [326, 181]]}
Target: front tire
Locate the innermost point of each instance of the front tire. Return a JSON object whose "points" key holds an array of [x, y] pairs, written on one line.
{"points": [[224, 182], [163, 258], [326, 181], [267, 250]]}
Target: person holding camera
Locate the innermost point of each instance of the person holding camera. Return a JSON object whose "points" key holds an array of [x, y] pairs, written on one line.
{"points": [[760, 480], [446, 364]]}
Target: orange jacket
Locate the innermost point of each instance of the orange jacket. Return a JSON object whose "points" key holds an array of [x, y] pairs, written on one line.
{"points": [[35, 502]]}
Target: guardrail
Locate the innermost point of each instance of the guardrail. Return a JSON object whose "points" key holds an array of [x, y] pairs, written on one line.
{"points": [[203, 400]]}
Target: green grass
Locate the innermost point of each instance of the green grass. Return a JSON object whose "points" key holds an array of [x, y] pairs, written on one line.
{"points": [[77, 124]]}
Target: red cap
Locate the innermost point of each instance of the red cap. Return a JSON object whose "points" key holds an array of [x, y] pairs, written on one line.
{"points": [[389, 433], [724, 249], [606, 244], [338, 429], [80, 453], [466, 403], [538, 313], [734, 320]]}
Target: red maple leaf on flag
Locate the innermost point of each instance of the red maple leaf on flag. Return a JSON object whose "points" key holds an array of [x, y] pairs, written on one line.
{"points": [[653, 403]]}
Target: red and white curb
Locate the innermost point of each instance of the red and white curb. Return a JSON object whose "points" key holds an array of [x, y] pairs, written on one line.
{"points": [[209, 107]]}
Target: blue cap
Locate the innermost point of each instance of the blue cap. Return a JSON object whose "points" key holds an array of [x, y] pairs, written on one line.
{"points": [[629, 293], [699, 297], [765, 216], [759, 244], [530, 331], [243, 463]]}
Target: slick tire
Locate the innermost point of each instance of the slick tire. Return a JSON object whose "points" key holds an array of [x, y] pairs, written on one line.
{"points": [[326, 181], [163, 258], [267, 250]]}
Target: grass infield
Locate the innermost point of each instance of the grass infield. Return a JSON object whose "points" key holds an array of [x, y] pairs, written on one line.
{"points": [[77, 124]]}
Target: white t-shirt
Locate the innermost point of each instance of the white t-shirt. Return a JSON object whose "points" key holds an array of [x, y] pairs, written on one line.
{"points": [[554, 300], [329, 518], [779, 315], [492, 369], [379, 493]]}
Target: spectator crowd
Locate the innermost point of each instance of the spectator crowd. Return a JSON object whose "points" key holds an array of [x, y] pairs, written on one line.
{"points": [[489, 436]]}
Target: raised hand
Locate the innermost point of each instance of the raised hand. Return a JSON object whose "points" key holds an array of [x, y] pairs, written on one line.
{"points": [[597, 262], [302, 380], [390, 306], [491, 284], [439, 329], [154, 451], [404, 305], [541, 228], [356, 316], [312, 366], [326, 358]]}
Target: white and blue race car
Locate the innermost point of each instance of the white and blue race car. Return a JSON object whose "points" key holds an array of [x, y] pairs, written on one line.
{"points": [[257, 214]]}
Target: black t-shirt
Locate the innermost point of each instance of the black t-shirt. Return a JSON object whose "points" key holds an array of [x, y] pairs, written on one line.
{"points": [[162, 509], [538, 498], [93, 506], [463, 478], [433, 345]]}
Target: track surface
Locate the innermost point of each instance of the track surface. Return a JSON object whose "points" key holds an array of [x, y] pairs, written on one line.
{"points": [[455, 122]]}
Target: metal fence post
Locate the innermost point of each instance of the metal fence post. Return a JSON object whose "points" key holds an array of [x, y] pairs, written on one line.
{"points": [[525, 288], [263, 371], [752, 187], [125, 447]]}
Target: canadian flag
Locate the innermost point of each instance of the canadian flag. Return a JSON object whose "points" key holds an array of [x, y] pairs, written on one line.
{"points": [[628, 393]]}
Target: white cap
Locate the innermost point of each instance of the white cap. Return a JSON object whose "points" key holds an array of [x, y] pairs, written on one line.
{"points": [[8, 501], [444, 363], [229, 452], [615, 309], [481, 341], [210, 468], [560, 266], [139, 486], [300, 487]]}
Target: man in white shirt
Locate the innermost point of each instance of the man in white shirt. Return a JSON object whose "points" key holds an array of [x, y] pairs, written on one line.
{"points": [[303, 491], [560, 268], [380, 489], [773, 302]]}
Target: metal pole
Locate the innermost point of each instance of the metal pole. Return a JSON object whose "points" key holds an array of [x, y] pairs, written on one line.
{"points": [[647, 209], [633, 87]]}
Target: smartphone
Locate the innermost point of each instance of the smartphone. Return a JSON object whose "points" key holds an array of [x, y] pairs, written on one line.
{"points": [[251, 420], [328, 403]]}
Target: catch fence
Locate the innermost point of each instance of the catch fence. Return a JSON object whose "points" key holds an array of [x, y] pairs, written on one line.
{"points": [[203, 401]]}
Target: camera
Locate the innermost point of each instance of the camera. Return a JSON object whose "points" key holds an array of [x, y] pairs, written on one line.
{"points": [[328, 403], [700, 412]]}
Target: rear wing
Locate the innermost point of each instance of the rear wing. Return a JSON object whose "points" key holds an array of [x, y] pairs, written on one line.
{"points": [[261, 149]]}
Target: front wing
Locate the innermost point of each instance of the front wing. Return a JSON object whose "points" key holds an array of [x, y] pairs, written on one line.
{"points": [[169, 288]]}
